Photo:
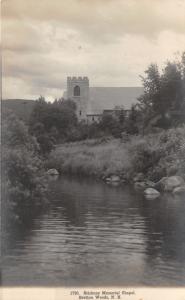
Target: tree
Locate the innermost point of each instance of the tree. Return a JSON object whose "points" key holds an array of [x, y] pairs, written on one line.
{"points": [[51, 123], [150, 101], [163, 97], [110, 125], [131, 125], [171, 87], [23, 172]]}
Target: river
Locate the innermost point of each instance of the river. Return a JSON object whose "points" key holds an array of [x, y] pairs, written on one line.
{"points": [[93, 234]]}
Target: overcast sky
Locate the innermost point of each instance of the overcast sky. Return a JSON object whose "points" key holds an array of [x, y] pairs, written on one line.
{"points": [[110, 41]]}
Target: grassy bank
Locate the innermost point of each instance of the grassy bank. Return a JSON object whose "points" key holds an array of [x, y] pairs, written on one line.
{"points": [[155, 155], [91, 157]]}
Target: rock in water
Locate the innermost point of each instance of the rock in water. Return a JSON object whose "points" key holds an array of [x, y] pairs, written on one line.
{"points": [[52, 172], [179, 190], [115, 178], [173, 182], [168, 184], [151, 193]]}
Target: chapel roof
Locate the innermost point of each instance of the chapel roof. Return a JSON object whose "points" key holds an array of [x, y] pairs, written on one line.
{"points": [[102, 98]]}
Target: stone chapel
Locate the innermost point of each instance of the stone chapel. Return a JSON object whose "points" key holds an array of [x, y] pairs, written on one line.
{"points": [[92, 102]]}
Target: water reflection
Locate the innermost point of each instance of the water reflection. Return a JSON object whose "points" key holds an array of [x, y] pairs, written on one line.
{"points": [[94, 234]]}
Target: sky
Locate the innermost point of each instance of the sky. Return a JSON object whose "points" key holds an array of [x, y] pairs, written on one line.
{"points": [[110, 41]]}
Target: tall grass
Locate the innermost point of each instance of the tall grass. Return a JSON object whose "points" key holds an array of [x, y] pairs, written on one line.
{"points": [[91, 157], [155, 155]]}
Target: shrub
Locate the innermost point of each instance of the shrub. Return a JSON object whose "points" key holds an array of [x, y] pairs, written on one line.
{"points": [[23, 172], [159, 155]]}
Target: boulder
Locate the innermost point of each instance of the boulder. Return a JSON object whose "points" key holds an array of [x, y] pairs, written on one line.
{"points": [[115, 178], [168, 184], [179, 190], [108, 179], [151, 193], [52, 172], [174, 182]]}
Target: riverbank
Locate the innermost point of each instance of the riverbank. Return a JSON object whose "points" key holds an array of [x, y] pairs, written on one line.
{"points": [[154, 155]]}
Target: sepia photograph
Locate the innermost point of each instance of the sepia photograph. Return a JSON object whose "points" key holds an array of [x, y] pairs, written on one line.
{"points": [[93, 148]]}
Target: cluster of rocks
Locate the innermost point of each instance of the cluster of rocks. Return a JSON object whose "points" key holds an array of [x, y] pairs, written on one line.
{"points": [[172, 184]]}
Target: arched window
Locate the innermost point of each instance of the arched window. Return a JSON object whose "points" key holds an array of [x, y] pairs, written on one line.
{"points": [[76, 90]]}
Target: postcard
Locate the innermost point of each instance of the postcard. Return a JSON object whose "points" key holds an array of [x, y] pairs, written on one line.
{"points": [[93, 150]]}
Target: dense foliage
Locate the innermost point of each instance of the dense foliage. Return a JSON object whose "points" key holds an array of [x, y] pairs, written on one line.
{"points": [[52, 123], [23, 175], [163, 101], [160, 154], [155, 155]]}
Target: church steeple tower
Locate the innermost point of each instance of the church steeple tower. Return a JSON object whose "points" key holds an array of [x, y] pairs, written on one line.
{"points": [[78, 91]]}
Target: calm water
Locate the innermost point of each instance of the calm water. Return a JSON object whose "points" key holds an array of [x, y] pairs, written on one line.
{"points": [[93, 234]]}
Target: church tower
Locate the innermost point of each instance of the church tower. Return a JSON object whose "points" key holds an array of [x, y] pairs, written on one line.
{"points": [[78, 91]]}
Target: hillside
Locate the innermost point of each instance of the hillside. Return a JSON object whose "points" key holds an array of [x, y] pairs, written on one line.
{"points": [[20, 107]]}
